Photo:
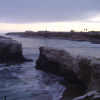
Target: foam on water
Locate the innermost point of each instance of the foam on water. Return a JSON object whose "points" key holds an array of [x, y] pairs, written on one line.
{"points": [[33, 84]]}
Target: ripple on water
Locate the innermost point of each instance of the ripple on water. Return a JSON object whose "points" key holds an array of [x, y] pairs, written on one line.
{"points": [[33, 84]]}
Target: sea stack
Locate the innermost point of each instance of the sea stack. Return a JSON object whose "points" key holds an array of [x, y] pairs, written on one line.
{"points": [[11, 50]]}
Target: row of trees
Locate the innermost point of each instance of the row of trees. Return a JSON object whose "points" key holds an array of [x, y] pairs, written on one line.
{"points": [[85, 29]]}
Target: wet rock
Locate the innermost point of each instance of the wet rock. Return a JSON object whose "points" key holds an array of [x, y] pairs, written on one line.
{"points": [[59, 62], [11, 50], [80, 70]]}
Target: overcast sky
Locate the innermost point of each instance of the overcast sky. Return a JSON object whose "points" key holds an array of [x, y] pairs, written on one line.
{"points": [[30, 11], [44, 11]]}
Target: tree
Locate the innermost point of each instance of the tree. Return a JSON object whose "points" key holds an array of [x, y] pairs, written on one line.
{"points": [[86, 29]]}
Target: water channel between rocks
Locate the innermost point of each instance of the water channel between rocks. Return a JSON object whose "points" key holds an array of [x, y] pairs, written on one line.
{"points": [[32, 84]]}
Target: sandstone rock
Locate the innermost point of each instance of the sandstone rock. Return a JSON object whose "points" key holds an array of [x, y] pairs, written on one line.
{"points": [[11, 50], [80, 70]]}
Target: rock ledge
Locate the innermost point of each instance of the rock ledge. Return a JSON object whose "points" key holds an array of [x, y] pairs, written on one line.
{"points": [[78, 70]]}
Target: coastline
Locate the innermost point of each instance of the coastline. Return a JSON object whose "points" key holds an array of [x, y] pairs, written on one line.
{"points": [[63, 83], [93, 41], [73, 37]]}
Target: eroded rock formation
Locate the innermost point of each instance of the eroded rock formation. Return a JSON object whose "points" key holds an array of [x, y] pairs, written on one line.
{"points": [[11, 50], [78, 70]]}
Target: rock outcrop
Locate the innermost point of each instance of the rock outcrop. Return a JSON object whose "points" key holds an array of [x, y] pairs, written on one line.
{"points": [[11, 50], [78, 70]]}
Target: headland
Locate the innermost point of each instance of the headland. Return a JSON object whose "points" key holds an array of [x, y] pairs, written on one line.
{"points": [[91, 36]]}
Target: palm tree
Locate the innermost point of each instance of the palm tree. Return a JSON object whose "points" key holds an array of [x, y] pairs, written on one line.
{"points": [[86, 29]]}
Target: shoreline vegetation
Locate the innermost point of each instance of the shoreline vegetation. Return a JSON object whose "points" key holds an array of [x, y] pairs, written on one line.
{"points": [[93, 37]]}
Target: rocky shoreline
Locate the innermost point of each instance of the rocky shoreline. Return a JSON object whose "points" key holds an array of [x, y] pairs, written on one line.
{"points": [[10, 53], [95, 39], [11, 50], [78, 70]]}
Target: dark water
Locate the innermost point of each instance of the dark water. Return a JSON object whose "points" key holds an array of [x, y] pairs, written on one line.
{"points": [[21, 81]]}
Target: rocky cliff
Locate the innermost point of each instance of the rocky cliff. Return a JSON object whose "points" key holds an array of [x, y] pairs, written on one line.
{"points": [[11, 50], [78, 70]]}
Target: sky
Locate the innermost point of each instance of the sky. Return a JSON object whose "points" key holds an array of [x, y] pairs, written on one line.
{"points": [[51, 15]]}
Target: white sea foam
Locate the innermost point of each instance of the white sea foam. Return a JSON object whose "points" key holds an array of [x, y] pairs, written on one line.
{"points": [[34, 84]]}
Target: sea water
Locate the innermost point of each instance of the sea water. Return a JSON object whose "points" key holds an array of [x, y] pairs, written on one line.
{"points": [[29, 83]]}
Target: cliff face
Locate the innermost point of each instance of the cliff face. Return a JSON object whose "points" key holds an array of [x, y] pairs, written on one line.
{"points": [[11, 50], [78, 70]]}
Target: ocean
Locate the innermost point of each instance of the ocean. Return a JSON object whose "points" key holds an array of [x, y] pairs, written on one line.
{"points": [[32, 84]]}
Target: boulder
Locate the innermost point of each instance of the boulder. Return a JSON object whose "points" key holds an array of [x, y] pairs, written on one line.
{"points": [[11, 50], [80, 70]]}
